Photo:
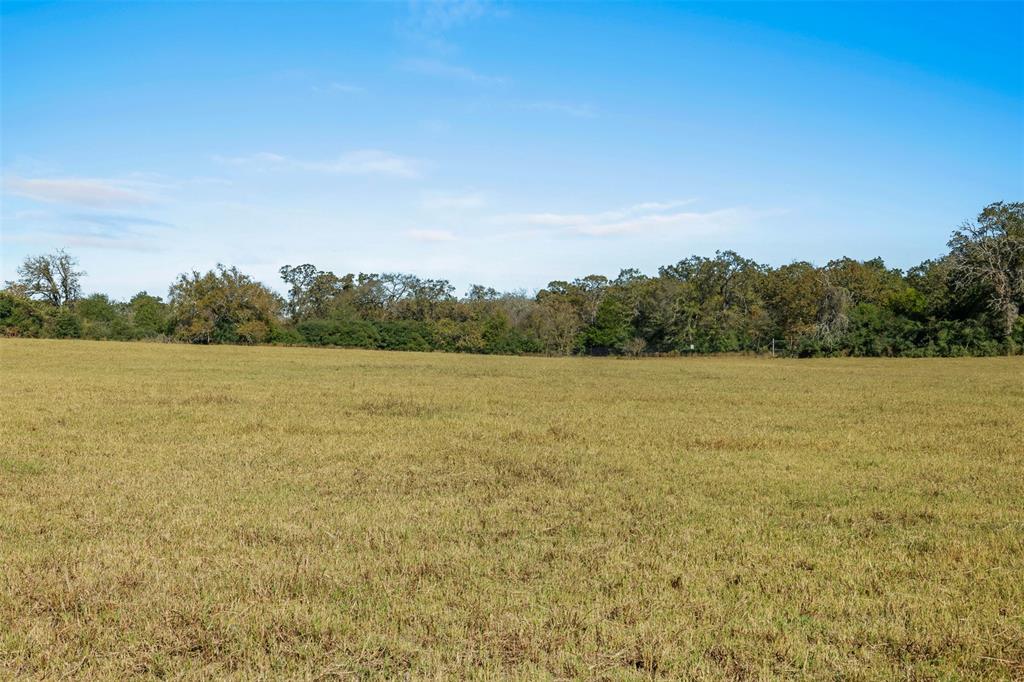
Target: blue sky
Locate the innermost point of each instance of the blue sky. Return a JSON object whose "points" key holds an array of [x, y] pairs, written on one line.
{"points": [[503, 144]]}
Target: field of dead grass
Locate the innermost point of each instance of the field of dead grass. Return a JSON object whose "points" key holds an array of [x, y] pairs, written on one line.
{"points": [[198, 512]]}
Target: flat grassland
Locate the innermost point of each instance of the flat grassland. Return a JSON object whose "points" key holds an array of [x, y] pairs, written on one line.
{"points": [[204, 512]]}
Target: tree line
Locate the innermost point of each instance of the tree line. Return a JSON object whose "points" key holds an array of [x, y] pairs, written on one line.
{"points": [[967, 302]]}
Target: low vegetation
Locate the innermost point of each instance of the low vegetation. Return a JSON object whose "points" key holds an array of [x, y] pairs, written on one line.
{"points": [[207, 511], [967, 302]]}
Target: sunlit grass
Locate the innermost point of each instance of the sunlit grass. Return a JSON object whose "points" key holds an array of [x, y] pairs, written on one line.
{"points": [[211, 511]]}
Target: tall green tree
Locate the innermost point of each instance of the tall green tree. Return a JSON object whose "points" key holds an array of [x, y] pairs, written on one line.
{"points": [[53, 278], [313, 293], [149, 314], [222, 305], [989, 254]]}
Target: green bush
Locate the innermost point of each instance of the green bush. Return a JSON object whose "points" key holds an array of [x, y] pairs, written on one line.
{"points": [[149, 316], [350, 333], [285, 336], [21, 316], [404, 335], [67, 325]]}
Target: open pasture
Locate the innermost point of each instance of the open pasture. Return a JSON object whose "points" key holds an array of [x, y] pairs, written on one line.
{"points": [[201, 512]]}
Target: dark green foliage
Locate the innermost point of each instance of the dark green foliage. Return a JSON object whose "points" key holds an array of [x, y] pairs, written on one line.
{"points": [[285, 336], [94, 317], [351, 333], [97, 308], [878, 331], [972, 337], [149, 315], [404, 335], [20, 316], [67, 324], [611, 329], [105, 319], [513, 342]]}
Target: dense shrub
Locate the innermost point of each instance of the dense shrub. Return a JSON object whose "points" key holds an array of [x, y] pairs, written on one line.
{"points": [[285, 336], [67, 324], [404, 335], [341, 332], [20, 316]]}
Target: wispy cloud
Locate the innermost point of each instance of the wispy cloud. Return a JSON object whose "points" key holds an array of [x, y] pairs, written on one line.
{"points": [[107, 243], [453, 202], [430, 235], [428, 21], [107, 230], [663, 216], [204, 180], [119, 221], [359, 162], [77, 241], [567, 108], [573, 220], [31, 214], [96, 192], [435, 127], [443, 15], [442, 69], [339, 88]]}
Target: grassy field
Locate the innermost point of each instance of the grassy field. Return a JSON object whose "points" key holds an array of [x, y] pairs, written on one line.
{"points": [[202, 512]]}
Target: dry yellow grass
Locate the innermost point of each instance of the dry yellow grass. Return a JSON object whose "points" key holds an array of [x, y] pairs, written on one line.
{"points": [[268, 512]]}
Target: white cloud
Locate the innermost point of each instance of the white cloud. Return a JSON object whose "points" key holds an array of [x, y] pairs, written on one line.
{"points": [[359, 162], [691, 222], [662, 216], [431, 235], [96, 192], [258, 159], [567, 108], [107, 243], [436, 127], [581, 221], [441, 69], [73, 231], [32, 214], [371, 162], [341, 88], [117, 221], [429, 21], [203, 180], [442, 15], [453, 202]]}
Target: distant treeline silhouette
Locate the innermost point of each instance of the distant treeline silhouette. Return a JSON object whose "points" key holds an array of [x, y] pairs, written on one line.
{"points": [[966, 302]]}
